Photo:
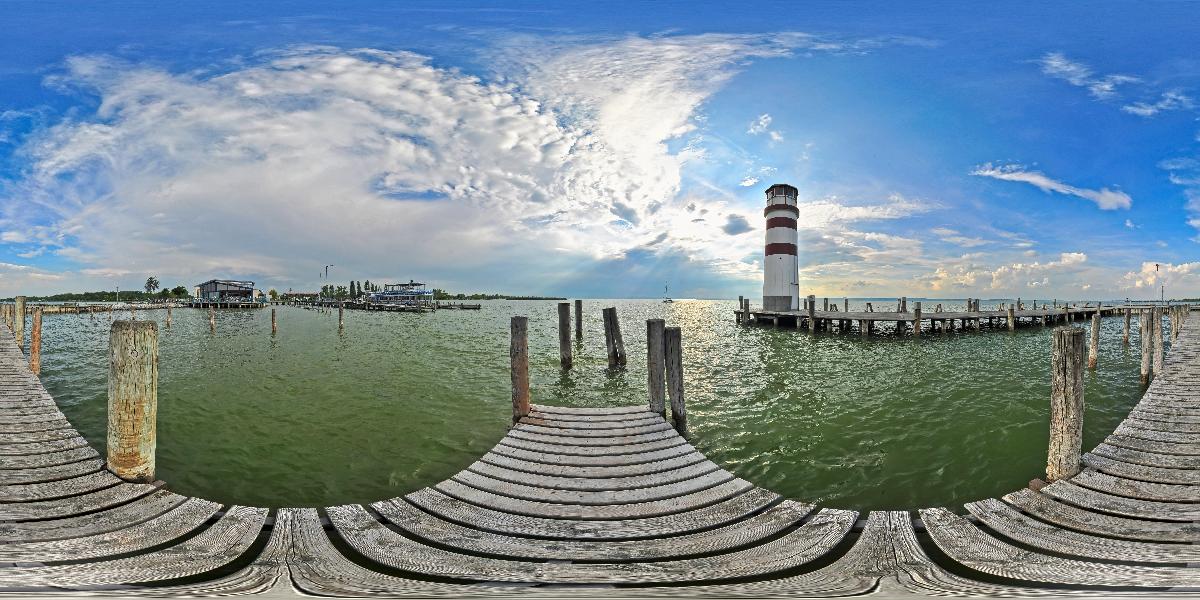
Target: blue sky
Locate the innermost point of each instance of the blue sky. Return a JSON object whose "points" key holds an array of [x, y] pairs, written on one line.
{"points": [[602, 150]]}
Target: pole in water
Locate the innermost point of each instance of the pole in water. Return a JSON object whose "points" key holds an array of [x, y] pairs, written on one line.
{"points": [[1158, 341], [1146, 340], [656, 366], [168, 323], [274, 327], [212, 319], [1094, 341], [1066, 403], [579, 320], [917, 319], [1125, 333], [612, 338], [812, 314], [132, 399], [564, 334], [673, 346], [35, 342], [518, 354], [1012, 319], [341, 315]]}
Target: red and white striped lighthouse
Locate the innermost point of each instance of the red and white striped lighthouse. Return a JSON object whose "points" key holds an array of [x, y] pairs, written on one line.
{"points": [[781, 277]]}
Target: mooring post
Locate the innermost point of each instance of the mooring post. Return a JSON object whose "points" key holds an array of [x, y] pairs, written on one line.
{"points": [[212, 319], [341, 315], [1012, 319], [132, 399], [904, 304], [564, 334], [612, 338], [1094, 341], [917, 319], [656, 365], [579, 320], [518, 355], [845, 305], [746, 312], [168, 323], [35, 342], [274, 327], [741, 316], [825, 305], [1066, 403], [812, 314], [19, 320], [1158, 341], [1146, 340], [673, 346]]}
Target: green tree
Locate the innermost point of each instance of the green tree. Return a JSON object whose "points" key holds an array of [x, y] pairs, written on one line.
{"points": [[273, 294], [151, 284], [164, 293], [179, 292], [367, 284]]}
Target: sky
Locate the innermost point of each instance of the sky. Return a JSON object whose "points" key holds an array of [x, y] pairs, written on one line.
{"points": [[602, 149]]}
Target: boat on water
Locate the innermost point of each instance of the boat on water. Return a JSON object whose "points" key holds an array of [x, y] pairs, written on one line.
{"points": [[666, 296], [413, 294]]}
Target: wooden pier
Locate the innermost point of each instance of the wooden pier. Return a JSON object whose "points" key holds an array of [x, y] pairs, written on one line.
{"points": [[604, 502], [918, 320]]}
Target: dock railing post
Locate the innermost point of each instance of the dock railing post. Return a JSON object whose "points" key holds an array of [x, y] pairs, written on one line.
{"points": [[518, 355], [1158, 341], [132, 399], [1094, 341], [274, 325], [673, 346], [1012, 319], [564, 334], [656, 365], [612, 338], [19, 320], [917, 319], [579, 320], [1146, 341], [1066, 403], [35, 342]]}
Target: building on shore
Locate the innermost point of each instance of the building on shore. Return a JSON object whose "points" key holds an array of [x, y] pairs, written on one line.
{"points": [[413, 293], [227, 290]]}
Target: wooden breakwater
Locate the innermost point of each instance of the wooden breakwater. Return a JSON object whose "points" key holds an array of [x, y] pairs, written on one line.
{"points": [[603, 502]]}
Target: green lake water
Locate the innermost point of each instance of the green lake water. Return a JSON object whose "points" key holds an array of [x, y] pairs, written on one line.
{"points": [[395, 402]]}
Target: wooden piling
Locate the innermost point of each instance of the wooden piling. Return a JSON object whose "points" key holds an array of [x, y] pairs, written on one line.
{"points": [[35, 342], [132, 399], [1094, 342], [1012, 319], [341, 315], [1146, 341], [212, 319], [1066, 403], [564, 334], [673, 346], [518, 356], [1158, 341], [579, 320], [612, 338], [656, 365], [746, 311], [19, 320], [812, 314], [916, 319], [825, 305], [168, 323], [845, 305], [904, 304], [274, 326], [741, 318], [1125, 333]]}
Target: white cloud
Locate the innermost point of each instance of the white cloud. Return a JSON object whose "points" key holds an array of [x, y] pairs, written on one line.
{"points": [[759, 125], [749, 181], [1011, 276], [1104, 198], [1172, 100], [1130, 224], [1057, 65]]}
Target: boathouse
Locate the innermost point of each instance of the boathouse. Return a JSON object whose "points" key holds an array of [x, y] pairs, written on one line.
{"points": [[225, 289]]}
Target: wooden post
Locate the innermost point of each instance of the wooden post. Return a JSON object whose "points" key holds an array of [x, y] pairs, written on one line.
{"points": [[612, 338], [741, 318], [341, 315], [518, 355], [656, 365], [746, 312], [904, 304], [132, 399], [812, 314], [212, 319], [35, 342], [825, 305], [19, 320], [1012, 319], [1094, 342], [1066, 403], [274, 327], [673, 346], [870, 308], [1158, 341], [1146, 339], [916, 319], [579, 320], [845, 305], [168, 323], [564, 334]]}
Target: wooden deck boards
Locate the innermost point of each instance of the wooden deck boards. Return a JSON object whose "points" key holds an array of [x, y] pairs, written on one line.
{"points": [[608, 497]]}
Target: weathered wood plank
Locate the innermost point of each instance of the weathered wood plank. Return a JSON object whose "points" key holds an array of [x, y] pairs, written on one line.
{"points": [[592, 483], [49, 459], [504, 460], [35, 448], [1071, 517], [1142, 472], [1136, 489], [54, 482], [58, 508], [594, 499], [539, 454], [1090, 499]]}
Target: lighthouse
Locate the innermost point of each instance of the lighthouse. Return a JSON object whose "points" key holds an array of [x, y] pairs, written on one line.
{"points": [[781, 277]]}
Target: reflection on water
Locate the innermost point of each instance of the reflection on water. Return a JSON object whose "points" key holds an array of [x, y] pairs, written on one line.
{"points": [[395, 402]]}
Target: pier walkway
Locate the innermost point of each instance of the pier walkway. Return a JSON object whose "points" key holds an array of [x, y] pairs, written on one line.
{"points": [[865, 322], [603, 502]]}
